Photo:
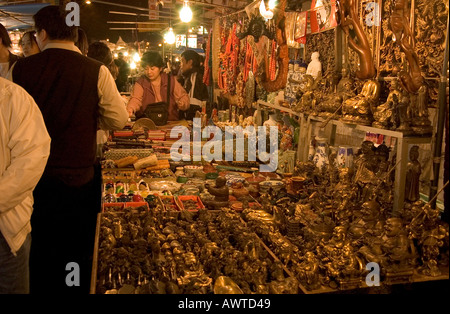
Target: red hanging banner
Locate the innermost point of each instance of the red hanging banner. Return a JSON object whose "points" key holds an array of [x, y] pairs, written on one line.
{"points": [[322, 15], [300, 27]]}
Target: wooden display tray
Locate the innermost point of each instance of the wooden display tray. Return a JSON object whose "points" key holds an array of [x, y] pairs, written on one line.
{"points": [[194, 198], [124, 205]]}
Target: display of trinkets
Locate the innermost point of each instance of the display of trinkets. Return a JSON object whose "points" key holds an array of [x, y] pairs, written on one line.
{"points": [[148, 252]]}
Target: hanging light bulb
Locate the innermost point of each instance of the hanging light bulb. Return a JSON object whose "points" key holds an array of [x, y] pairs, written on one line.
{"points": [[169, 37], [267, 14], [272, 4], [186, 13]]}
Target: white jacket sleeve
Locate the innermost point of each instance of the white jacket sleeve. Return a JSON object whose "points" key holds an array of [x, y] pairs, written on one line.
{"points": [[113, 114], [24, 145]]}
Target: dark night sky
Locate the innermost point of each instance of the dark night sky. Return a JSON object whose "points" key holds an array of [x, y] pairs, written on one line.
{"points": [[94, 19]]}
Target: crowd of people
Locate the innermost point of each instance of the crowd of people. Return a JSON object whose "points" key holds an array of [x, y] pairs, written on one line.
{"points": [[58, 100]]}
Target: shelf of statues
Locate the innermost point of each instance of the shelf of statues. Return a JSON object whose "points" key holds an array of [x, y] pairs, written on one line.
{"points": [[330, 223], [356, 103], [278, 107]]}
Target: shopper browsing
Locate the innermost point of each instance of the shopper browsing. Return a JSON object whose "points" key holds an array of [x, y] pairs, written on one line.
{"points": [[151, 88], [29, 44], [7, 59], [192, 73], [24, 150], [76, 95]]}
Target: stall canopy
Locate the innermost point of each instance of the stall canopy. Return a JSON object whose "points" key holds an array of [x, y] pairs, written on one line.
{"points": [[19, 16], [181, 49]]}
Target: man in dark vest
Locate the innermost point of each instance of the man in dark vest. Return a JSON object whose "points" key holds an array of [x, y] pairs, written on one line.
{"points": [[76, 95]]}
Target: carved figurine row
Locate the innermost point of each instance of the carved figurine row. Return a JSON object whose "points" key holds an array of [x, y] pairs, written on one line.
{"points": [[401, 111]]}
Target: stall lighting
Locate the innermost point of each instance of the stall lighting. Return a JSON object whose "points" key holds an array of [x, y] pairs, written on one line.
{"points": [[272, 4], [267, 14], [136, 57], [169, 37], [133, 65], [186, 13]]}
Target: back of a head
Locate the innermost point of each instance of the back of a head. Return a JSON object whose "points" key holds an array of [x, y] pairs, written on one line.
{"points": [[192, 55], [100, 52], [52, 19], [6, 40]]}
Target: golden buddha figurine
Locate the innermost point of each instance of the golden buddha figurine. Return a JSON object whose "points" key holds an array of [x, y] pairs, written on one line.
{"points": [[333, 102], [307, 101], [384, 114], [359, 109]]}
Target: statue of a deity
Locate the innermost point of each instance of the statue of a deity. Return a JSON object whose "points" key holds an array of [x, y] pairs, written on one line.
{"points": [[344, 90], [385, 114], [359, 109], [413, 172], [307, 101]]}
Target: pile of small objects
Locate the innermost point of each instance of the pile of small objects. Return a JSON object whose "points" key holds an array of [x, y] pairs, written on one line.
{"points": [[152, 252]]}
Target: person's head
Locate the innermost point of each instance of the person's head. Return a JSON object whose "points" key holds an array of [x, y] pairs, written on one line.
{"points": [[5, 40], [153, 63], [189, 60], [29, 44], [82, 41], [101, 52], [120, 55], [50, 25]]}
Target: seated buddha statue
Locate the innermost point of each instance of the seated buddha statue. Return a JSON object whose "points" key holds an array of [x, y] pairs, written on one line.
{"points": [[333, 102], [384, 114], [358, 109], [307, 101]]}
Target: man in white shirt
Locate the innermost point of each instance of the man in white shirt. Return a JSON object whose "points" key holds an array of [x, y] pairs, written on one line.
{"points": [[24, 150], [77, 96]]}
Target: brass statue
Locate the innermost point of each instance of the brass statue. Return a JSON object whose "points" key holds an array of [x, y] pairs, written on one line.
{"points": [[344, 90], [396, 246], [420, 123], [307, 102], [385, 114], [308, 271], [359, 109], [414, 169], [430, 232]]}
